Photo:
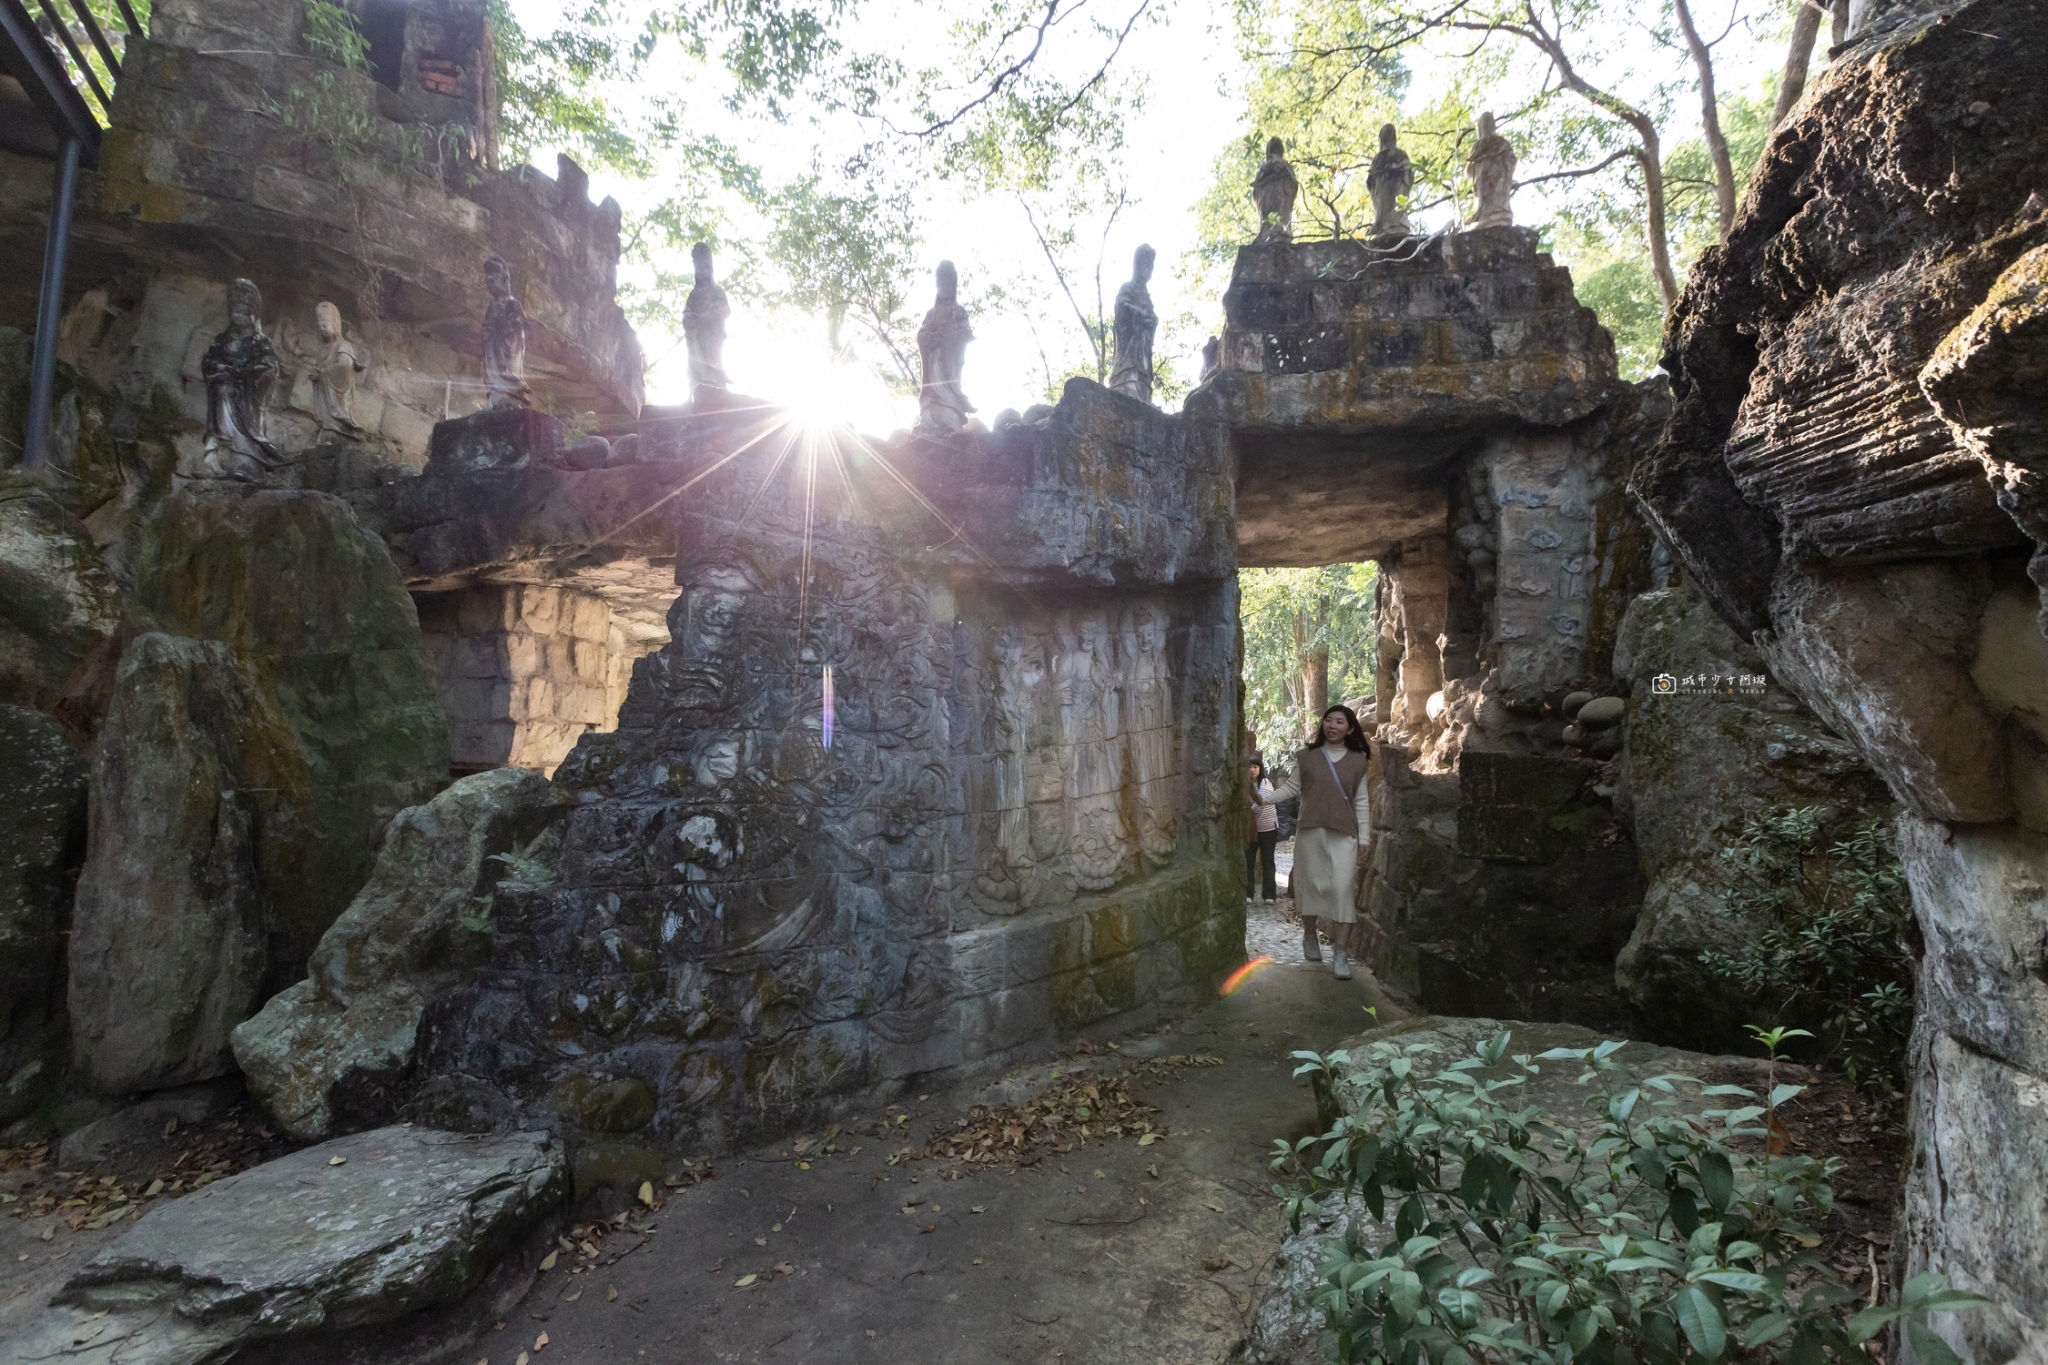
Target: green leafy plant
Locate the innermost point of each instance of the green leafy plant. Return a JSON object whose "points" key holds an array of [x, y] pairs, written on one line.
{"points": [[1833, 946], [1658, 1232], [523, 872]]}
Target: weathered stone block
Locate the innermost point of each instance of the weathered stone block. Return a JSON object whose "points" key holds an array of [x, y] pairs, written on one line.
{"points": [[496, 438], [1515, 807]]}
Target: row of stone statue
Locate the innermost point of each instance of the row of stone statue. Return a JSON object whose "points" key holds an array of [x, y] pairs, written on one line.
{"points": [[242, 367], [941, 340], [1390, 179]]}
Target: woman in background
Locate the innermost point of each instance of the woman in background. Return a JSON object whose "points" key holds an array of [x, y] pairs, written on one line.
{"points": [[1330, 780], [1265, 837]]}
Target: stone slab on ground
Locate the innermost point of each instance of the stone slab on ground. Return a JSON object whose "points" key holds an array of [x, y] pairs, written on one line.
{"points": [[349, 1234]]}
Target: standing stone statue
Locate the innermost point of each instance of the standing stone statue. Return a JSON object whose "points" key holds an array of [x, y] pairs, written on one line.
{"points": [[240, 369], [942, 349], [704, 315], [334, 374], [1135, 322], [1491, 165], [1212, 358], [1274, 191], [1390, 177], [504, 340]]}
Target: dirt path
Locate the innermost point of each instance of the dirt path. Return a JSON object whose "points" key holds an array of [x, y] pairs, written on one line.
{"points": [[1111, 1252]]}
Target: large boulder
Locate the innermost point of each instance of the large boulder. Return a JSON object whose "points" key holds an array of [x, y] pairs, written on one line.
{"points": [[1697, 761], [45, 780], [328, 1051], [197, 789], [311, 599], [60, 608], [339, 1237]]}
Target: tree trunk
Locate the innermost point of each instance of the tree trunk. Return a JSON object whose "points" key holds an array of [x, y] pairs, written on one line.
{"points": [[1838, 27], [1710, 118], [1805, 28], [1648, 151], [1650, 158], [1315, 682]]}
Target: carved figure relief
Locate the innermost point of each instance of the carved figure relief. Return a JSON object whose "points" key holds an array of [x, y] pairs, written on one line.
{"points": [[240, 369], [1491, 165], [1135, 323], [704, 317], [1273, 192], [1390, 178], [942, 352], [504, 334], [336, 368]]}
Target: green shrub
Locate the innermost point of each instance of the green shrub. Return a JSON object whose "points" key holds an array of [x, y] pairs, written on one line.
{"points": [[1653, 1235], [1833, 950]]}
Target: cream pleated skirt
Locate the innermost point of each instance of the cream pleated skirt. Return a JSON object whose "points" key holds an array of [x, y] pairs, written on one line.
{"points": [[1324, 880]]}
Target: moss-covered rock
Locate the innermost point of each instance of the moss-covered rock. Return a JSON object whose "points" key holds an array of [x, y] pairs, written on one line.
{"points": [[311, 600], [1696, 764]]}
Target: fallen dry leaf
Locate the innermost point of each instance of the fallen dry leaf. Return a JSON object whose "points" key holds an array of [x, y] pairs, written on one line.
{"points": [[522, 1359], [743, 1281], [929, 1227], [977, 1260], [611, 1293], [978, 1209], [647, 1193], [337, 1161], [540, 1343], [547, 1262], [1215, 1263]]}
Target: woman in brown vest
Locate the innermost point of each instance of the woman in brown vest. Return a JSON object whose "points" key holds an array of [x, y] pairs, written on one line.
{"points": [[1329, 777]]}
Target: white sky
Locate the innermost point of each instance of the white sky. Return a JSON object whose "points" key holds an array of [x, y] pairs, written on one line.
{"points": [[1192, 109]]}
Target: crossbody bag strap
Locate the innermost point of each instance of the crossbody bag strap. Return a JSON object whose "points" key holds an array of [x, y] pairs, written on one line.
{"points": [[1344, 798]]}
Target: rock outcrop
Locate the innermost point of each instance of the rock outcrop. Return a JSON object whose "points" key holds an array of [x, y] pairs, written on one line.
{"points": [[1698, 760], [196, 792], [1851, 478], [60, 610], [334, 1050], [44, 777], [310, 599], [336, 1238]]}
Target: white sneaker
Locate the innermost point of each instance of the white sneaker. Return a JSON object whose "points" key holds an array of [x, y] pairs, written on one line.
{"points": [[1311, 950], [1342, 964]]}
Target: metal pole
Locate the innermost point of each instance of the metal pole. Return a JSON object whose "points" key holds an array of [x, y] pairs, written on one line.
{"points": [[50, 310]]}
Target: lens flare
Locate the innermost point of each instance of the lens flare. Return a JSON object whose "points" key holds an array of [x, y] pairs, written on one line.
{"points": [[1236, 979], [828, 707]]}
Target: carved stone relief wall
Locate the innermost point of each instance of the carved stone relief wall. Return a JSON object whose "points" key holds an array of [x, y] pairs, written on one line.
{"points": [[876, 811]]}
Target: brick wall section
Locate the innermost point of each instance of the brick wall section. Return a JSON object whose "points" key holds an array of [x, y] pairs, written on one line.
{"points": [[524, 671]]}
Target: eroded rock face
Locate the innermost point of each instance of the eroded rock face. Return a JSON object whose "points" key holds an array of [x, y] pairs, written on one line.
{"points": [[342, 1236], [59, 610], [333, 1050], [1980, 1053], [1695, 765], [1850, 477], [169, 936]]}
